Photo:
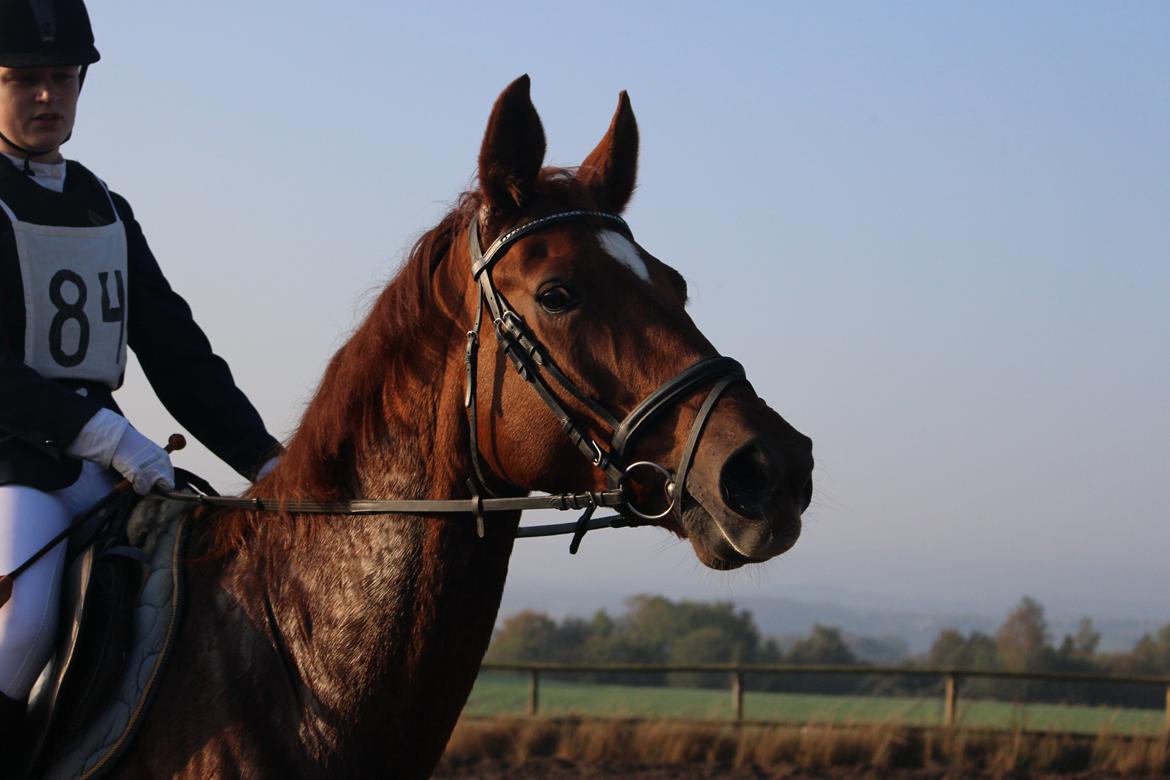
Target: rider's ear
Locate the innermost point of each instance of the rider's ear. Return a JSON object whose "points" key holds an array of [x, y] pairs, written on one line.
{"points": [[611, 169], [512, 150]]}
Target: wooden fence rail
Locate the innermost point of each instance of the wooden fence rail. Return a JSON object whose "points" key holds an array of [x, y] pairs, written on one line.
{"points": [[736, 672]]}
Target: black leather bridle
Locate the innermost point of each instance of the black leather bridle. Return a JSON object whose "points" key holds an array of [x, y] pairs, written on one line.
{"points": [[533, 364]]}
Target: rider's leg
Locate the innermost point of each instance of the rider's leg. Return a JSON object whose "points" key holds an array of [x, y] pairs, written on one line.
{"points": [[92, 485], [28, 519], [28, 622]]}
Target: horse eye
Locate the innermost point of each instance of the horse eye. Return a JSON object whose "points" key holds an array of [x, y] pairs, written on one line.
{"points": [[556, 299]]}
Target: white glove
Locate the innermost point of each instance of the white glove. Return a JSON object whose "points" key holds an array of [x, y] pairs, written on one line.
{"points": [[98, 439], [143, 462], [109, 439]]}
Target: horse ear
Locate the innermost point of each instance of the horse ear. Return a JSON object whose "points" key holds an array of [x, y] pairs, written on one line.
{"points": [[611, 169], [512, 150]]}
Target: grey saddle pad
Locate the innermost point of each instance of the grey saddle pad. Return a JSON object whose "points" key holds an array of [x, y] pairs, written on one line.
{"points": [[159, 526]]}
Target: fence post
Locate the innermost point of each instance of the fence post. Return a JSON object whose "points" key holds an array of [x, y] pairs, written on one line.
{"points": [[951, 700], [1168, 709], [533, 692], [737, 695]]}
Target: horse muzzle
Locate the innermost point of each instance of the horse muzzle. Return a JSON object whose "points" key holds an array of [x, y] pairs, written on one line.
{"points": [[748, 493]]}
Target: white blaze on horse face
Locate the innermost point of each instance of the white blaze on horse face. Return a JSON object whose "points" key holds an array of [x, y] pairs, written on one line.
{"points": [[623, 250]]}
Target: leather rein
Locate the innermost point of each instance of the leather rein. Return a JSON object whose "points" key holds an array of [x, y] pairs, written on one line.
{"points": [[535, 366]]}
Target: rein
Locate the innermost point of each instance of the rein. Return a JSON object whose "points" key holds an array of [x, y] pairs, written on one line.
{"points": [[476, 505], [533, 364]]}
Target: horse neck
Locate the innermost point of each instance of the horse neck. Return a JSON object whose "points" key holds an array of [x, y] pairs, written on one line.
{"points": [[405, 597]]}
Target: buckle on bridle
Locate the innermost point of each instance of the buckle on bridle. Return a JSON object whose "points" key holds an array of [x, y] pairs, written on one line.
{"points": [[599, 456], [509, 324], [669, 488]]}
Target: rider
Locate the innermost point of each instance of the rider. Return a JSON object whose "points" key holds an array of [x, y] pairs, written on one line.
{"points": [[78, 283]]}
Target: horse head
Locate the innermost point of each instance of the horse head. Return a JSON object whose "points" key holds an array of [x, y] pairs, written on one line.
{"points": [[600, 311]]}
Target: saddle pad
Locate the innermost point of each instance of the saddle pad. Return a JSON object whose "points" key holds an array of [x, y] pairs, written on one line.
{"points": [[93, 751]]}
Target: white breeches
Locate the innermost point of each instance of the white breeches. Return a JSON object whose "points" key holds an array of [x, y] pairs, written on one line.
{"points": [[28, 622]]}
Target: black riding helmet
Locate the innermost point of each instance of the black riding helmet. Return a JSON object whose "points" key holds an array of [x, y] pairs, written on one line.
{"points": [[44, 34]]}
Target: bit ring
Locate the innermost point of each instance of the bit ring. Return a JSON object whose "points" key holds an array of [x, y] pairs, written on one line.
{"points": [[668, 489]]}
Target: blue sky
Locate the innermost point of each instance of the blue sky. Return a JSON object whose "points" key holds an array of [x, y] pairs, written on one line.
{"points": [[935, 233]]}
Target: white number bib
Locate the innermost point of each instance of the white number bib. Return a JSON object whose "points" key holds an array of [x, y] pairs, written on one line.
{"points": [[75, 305]]}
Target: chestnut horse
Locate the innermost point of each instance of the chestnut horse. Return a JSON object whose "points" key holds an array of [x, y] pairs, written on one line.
{"points": [[346, 647]]}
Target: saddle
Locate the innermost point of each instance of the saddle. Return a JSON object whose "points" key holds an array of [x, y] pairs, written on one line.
{"points": [[121, 603]]}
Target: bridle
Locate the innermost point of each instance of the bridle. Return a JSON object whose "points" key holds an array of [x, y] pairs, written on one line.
{"points": [[534, 365]]}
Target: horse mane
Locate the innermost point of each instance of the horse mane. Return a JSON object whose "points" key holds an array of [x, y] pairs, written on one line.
{"points": [[404, 333]]}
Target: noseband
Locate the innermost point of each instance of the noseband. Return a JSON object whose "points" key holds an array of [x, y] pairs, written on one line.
{"points": [[533, 364]]}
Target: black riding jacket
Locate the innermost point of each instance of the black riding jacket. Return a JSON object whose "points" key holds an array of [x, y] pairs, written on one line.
{"points": [[40, 417]]}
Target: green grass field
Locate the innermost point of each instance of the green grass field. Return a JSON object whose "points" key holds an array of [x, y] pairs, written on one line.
{"points": [[507, 694]]}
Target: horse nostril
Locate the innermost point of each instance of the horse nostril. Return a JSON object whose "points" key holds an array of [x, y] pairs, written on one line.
{"points": [[748, 481], [806, 495]]}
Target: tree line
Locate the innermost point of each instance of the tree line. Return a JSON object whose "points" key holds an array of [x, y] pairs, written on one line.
{"points": [[657, 630]]}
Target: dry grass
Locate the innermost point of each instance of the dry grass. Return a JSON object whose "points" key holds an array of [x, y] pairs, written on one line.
{"points": [[882, 747]]}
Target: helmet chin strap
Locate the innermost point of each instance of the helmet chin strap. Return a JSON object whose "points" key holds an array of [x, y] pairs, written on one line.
{"points": [[29, 153]]}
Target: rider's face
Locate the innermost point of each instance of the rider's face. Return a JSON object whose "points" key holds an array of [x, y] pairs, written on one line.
{"points": [[37, 107]]}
